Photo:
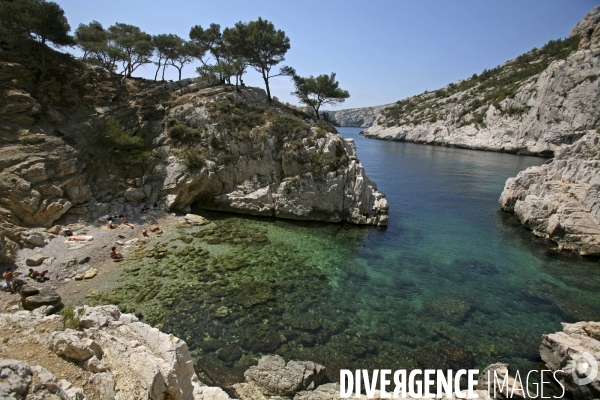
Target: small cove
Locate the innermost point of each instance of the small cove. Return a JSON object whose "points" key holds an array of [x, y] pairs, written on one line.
{"points": [[452, 282]]}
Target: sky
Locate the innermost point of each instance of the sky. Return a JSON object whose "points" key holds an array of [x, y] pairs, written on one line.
{"points": [[381, 50]]}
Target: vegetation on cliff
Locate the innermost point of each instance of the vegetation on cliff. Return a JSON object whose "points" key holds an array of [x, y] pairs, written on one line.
{"points": [[478, 92]]}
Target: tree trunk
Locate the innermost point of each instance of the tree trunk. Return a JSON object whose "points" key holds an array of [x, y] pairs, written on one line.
{"points": [[266, 79], [158, 69], [164, 67]]}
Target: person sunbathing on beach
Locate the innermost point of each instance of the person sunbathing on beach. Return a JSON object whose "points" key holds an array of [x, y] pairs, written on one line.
{"points": [[114, 254], [144, 232], [36, 276], [10, 281]]}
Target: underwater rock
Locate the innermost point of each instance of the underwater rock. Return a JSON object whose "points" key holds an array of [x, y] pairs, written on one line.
{"points": [[447, 308], [215, 331], [458, 358], [211, 345], [307, 340], [577, 311], [229, 353], [429, 358], [357, 271], [260, 238], [222, 312], [305, 324], [267, 343]]}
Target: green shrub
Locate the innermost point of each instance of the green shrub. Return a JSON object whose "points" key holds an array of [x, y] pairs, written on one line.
{"points": [[287, 125], [183, 132], [70, 318], [237, 119], [126, 149], [327, 127], [193, 159], [32, 140], [112, 134]]}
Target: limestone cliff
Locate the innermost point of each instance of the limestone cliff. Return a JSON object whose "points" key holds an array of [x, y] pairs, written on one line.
{"points": [[560, 200], [87, 145], [359, 117], [529, 105]]}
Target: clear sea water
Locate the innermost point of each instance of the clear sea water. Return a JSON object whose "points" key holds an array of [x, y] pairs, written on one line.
{"points": [[452, 282]]}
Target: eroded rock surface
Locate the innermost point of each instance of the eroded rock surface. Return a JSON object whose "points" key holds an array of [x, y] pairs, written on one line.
{"points": [[19, 380], [560, 200], [575, 350], [128, 358]]}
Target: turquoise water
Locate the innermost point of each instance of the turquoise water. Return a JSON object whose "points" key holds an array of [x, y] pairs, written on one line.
{"points": [[452, 282]]}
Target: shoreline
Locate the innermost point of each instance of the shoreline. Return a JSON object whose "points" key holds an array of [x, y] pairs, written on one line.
{"points": [[63, 261]]}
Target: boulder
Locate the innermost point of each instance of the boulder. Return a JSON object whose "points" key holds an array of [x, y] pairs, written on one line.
{"points": [[196, 219], [573, 354], [16, 376], [134, 194], [98, 317], [104, 384], [90, 273], [45, 298], [33, 238], [19, 380], [74, 345], [34, 261], [276, 378], [55, 230], [93, 364], [84, 260]]}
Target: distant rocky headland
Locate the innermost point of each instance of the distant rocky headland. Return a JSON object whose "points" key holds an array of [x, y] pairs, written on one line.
{"points": [[530, 105]]}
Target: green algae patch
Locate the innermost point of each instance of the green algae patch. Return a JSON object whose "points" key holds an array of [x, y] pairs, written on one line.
{"points": [[239, 288]]}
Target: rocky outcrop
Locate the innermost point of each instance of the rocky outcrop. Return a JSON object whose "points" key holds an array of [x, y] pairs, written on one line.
{"points": [[20, 380], [358, 117], [128, 359], [560, 200], [273, 377], [81, 149], [573, 354], [308, 171], [588, 29], [530, 105]]}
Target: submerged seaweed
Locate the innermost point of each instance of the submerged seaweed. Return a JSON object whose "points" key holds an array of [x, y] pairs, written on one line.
{"points": [[241, 287]]}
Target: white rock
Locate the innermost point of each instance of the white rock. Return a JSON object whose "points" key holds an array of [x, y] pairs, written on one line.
{"points": [[72, 344]]}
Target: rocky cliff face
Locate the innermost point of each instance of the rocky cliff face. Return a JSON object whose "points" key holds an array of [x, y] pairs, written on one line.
{"points": [[573, 354], [529, 105], [359, 117], [81, 149], [560, 200]]}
